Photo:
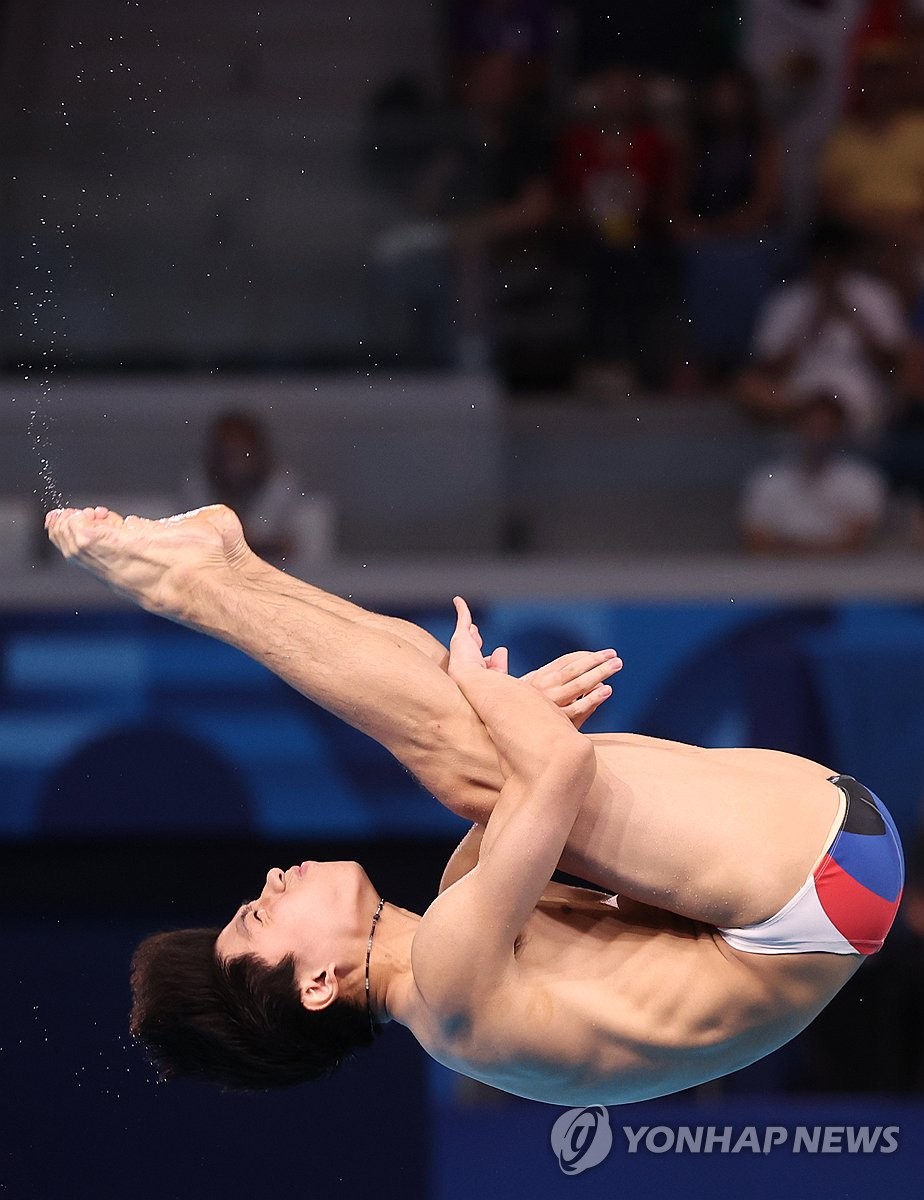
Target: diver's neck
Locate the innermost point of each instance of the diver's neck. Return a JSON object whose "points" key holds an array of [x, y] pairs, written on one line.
{"points": [[390, 975]]}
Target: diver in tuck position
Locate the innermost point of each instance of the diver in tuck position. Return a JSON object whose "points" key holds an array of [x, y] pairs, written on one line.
{"points": [[750, 883]]}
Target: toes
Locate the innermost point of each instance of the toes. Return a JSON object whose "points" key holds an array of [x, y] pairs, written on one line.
{"points": [[56, 515]]}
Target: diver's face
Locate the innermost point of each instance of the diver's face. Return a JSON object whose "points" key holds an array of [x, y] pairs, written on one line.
{"points": [[315, 911]]}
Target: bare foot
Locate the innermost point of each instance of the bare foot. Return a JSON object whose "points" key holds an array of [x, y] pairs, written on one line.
{"points": [[158, 564]]}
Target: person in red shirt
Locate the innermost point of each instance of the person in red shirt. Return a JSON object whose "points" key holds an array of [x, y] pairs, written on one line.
{"points": [[612, 171]]}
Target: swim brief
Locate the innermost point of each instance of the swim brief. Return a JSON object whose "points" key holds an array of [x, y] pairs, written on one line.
{"points": [[848, 903]]}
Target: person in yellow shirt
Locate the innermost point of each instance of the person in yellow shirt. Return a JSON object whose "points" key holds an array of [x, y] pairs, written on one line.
{"points": [[872, 169]]}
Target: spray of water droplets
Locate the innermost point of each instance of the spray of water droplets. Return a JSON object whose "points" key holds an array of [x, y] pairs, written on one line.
{"points": [[49, 492], [42, 332], [61, 213]]}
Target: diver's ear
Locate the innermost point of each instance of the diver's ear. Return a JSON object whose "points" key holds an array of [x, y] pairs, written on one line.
{"points": [[319, 990]]}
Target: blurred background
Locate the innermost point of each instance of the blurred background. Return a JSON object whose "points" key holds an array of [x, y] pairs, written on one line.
{"points": [[610, 317]]}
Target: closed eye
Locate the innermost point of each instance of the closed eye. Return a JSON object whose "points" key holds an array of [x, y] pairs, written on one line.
{"points": [[248, 910]]}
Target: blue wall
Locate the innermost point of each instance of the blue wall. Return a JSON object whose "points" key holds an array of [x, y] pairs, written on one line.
{"points": [[120, 733], [122, 724]]}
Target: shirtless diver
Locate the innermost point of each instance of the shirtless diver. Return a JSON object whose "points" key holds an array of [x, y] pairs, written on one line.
{"points": [[750, 883]]}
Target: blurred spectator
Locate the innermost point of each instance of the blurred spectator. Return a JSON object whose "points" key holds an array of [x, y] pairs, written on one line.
{"points": [[239, 469], [872, 170], [816, 499], [798, 52], [613, 171], [485, 191], [903, 445], [727, 200], [882, 19], [729, 173], [837, 329], [400, 129], [522, 28]]}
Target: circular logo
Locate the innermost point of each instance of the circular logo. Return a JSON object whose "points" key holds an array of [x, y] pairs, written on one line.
{"points": [[582, 1138]]}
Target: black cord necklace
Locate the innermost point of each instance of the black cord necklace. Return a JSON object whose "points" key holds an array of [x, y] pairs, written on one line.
{"points": [[375, 921]]}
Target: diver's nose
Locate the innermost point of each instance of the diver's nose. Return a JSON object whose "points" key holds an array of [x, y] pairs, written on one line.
{"points": [[275, 879]]}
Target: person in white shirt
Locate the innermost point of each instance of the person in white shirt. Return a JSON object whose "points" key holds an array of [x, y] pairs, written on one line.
{"points": [[816, 499], [836, 329]]}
